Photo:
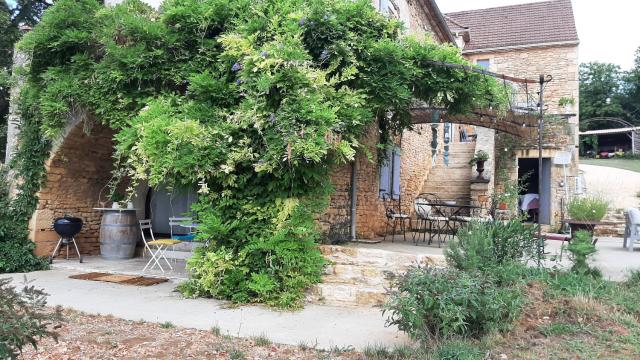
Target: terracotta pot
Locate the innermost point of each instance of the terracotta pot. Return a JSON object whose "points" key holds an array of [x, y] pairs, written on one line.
{"points": [[503, 206]]}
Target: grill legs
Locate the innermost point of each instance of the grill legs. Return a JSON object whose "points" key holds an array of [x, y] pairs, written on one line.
{"points": [[66, 243]]}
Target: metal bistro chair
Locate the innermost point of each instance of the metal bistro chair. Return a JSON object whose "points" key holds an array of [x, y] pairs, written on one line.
{"points": [[394, 217], [160, 245], [184, 222], [428, 215]]}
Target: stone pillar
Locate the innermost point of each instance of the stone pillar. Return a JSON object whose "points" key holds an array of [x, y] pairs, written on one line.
{"points": [[13, 120], [481, 193]]}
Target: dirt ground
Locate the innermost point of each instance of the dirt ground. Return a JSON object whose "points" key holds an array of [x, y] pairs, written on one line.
{"points": [[85, 336]]}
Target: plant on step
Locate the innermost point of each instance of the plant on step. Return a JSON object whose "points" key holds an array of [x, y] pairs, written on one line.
{"points": [[25, 318], [253, 101], [587, 208], [508, 190], [438, 303], [581, 248], [488, 245]]}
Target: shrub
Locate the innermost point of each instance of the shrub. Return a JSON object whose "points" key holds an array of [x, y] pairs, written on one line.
{"points": [[587, 208], [486, 245], [24, 318], [429, 303], [580, 248]]}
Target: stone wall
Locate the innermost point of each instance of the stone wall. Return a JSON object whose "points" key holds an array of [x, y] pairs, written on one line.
{"points": [[370, 213], [77, 172]]}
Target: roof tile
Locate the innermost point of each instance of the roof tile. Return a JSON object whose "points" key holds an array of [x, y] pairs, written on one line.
{"points": [[517, 25]]}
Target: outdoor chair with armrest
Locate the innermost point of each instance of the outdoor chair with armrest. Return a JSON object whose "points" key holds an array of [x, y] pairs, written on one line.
{"points": [[631, 228], [394, 217], [429, 215]]}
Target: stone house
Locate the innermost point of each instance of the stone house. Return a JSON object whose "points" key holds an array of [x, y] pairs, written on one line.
{"points": [[522, 40], [77, 187]]}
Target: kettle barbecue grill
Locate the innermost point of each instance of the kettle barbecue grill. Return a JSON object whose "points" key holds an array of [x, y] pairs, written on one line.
{"points": [[67, 227]]}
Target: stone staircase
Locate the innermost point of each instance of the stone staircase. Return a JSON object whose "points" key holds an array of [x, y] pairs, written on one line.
{"points": [[453, 181], [359, 276], [615, 216]]}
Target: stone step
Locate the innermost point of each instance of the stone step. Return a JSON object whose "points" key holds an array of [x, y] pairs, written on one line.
{"points": [[347, 295], [359, 276]]}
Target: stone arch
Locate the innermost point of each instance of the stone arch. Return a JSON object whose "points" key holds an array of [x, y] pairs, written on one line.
{"points": [[77, 172]]}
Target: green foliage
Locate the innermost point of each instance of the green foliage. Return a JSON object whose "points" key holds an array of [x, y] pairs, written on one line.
{"points": [[25, 318], [429, 303], [252, 101], [458, 350], [581, 247], [587, 208], [488, 245]]}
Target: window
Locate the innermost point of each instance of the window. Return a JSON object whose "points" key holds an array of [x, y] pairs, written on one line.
{"points": [[483, 63], [390, 174]]}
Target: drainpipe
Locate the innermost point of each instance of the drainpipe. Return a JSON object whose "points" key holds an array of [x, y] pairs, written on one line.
{"points": [[540, 131], [354, 192]]}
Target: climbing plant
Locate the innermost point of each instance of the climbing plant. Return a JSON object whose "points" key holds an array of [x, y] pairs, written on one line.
{"points": [[252, 100]]}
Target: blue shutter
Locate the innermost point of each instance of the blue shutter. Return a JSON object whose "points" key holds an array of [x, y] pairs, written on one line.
{"points": [[385, 183], [396, 174]]}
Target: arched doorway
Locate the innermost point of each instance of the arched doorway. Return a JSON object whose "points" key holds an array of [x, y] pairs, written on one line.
{"points": [[78, 170]]}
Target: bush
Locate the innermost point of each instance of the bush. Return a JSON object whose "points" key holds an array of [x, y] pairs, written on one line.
{"points": [[429, 303], [587, 208], [580, 248], [486, 245], [274, 268], [24, 318]]}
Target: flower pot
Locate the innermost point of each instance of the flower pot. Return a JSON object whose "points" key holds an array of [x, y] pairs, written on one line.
{"points": [[503, 206], [480, 168], [115, 205], [129, 205]]}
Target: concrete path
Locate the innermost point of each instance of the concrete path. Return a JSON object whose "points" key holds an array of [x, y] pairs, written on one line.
{"points": [[322, 325], [612, 259], [619, 186]]}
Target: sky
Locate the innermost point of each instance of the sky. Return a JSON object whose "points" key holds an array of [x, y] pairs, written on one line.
{"points": [[607, 29]]}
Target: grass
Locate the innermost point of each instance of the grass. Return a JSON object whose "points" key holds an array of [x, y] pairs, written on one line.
{"points": [[261, 340], [626, 164], [216, 331], [167, 325]]}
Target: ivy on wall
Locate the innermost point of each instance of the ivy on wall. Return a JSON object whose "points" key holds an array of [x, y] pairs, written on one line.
{"points": [[253, 101]]}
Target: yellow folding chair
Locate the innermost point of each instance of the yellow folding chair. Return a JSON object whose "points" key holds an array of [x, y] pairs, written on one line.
{"points": [[160, 245]]}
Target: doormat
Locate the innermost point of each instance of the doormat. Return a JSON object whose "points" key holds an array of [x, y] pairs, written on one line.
{"points": [[120, 279]]}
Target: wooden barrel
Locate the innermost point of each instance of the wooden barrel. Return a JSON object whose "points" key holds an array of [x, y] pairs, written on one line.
{"points": [[119, 233]]}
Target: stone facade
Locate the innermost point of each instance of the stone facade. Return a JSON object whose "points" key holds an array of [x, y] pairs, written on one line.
{"points": [[560, 134], [77, 173]]}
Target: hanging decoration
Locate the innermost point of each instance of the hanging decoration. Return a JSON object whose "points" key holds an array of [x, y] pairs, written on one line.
{"points": [[447, 139], [434, 143]]}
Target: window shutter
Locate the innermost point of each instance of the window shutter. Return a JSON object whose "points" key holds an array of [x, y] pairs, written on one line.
{"points": [[396, 174]]}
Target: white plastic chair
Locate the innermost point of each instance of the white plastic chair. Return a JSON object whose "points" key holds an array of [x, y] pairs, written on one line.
{"points": [[631, 228]]}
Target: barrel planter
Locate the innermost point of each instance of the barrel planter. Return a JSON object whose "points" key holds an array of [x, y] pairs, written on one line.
{"points": [[119, 233]]}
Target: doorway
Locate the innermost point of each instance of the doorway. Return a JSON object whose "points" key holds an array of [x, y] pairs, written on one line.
{"points": [[536, 206]]}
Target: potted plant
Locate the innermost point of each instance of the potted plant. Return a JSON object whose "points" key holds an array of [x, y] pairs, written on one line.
{"points": [[116, 198], [478, 160], [567, 103], [586, 212]]}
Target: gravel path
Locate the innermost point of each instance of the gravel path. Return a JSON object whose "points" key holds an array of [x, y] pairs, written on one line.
{"points": [[620, 187]]}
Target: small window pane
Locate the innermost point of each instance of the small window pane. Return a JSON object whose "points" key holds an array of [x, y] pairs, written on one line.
{"points": [[484, 63]]}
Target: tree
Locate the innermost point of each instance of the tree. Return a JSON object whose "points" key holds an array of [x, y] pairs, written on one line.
{"points": [[631, 89], [600, 92]]}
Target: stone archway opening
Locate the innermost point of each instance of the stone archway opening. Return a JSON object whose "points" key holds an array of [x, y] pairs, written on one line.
{"points": [[77, 173]]}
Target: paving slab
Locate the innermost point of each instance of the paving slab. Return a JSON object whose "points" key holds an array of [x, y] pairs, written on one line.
{"points": [[325, 326]]}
